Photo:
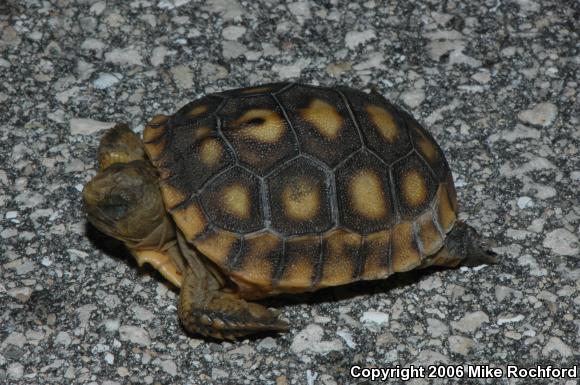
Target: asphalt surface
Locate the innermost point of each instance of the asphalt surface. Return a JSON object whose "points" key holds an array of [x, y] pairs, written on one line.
{"points": [[496, 83]]}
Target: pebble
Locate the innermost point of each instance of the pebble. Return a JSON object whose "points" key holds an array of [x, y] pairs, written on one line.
{"points": [[542, 114], [291, 70], [555, 344], [525, 202], [232, 49], [309, 339], [15, 370], [413, 98], [470, 322], [300, 9], [82, 126], [169, 367], [509, 319], [135, 334], [233, 32], [355, 38], [460, 345], [142, 313], [562, 242], [106, 80], [376, 317], [182, 76], [124, 56], [436, 328], [63, 338]]}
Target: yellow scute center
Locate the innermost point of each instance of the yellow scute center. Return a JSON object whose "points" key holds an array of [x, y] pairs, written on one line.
{"points": [[414, 188], [324, 117], [236, 200], [367, 195], [262, 125], [301, 200], [384, 122]]}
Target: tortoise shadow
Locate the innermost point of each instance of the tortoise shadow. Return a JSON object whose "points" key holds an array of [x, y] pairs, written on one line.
{"points": [[352, 290]]}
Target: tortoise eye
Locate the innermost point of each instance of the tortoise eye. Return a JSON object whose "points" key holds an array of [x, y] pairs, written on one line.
{"points": [[115, 207]]}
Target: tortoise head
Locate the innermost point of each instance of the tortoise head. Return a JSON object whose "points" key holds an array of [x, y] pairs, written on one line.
{"points": [[124, 201]]}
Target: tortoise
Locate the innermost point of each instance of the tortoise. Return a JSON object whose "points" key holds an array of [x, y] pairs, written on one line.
{"points": [[277, 188]]}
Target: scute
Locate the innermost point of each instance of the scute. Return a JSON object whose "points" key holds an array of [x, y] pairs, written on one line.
{"points": [[289, 187], [322, 122], [299, 195]]}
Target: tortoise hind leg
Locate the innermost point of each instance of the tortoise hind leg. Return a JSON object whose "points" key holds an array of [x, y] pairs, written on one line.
{"points": [[207, 310]]}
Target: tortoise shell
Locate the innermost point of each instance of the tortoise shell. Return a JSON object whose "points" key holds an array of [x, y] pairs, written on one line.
{"points": [[290, 187]]}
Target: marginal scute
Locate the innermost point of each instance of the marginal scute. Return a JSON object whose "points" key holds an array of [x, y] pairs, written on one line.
{"points": [[219, 245], [171, 196], [376, 250], [301, 256], [258, 259], [429, 237], [341, 250], [445, 212], [191, 220], [405, 255], [197, 111]]}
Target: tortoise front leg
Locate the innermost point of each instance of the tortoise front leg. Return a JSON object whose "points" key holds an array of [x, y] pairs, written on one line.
{"points": [[207, 310]]}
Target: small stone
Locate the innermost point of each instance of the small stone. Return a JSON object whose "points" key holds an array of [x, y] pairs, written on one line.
{"points": [[376, 317], [169, 367], [525, 202], [142, 314], [233, 32], [111, 325], [15, 370], [63, 338], [22, 294], [232, 49], [542, 114], [347, 337], [158, 55], [300, 9], [509, 319], [16, 339], [106, 80], [310, 339], [557, 345], [482, 77], [354, 38], [470, 322], [217, 373], [182, 76], [562, 242], [80, 126], [109, 358], [436, 328], [413, 98], [518, 133], [134, 334], [460, 345], [291, 70], [124, 56]]}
